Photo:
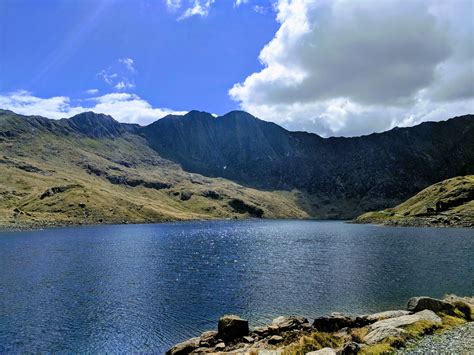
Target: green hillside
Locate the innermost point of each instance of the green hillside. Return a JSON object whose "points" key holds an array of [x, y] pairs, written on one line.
{"points": [[447, 203], [51, 178]]}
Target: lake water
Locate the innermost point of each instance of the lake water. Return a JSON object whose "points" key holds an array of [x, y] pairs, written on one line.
{"points": [[132, 288]]}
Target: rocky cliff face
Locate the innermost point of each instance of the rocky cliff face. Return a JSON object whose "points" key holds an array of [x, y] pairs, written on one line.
{"points": [[358, 174]]}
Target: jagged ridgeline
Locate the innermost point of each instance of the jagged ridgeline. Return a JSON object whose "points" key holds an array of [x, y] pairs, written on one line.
{"points": [[91, 168]]}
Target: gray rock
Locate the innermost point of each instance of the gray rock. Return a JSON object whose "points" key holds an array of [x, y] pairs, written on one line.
{"points": [[288, 323], [337, 321], [184, 348], [232, 327], [275, 339], [416, 304], [406, 320], [208, 338], [386, 315], [323, 351], [380, 333], [248, 339], [270, 352]]}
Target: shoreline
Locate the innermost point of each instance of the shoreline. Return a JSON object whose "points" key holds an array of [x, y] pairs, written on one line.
{"points": [[337, 333], [6, 228], [37, 227]]}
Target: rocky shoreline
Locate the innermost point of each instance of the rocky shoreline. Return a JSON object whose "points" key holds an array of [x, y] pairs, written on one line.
{"points": [[337, 333]]}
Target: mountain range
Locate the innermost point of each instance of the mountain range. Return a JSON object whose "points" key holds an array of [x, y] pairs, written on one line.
{"points": [[229, 166]]}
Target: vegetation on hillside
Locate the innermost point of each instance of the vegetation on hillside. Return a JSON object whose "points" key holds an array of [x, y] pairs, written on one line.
{"points": [[447, 203], [69, 178]]}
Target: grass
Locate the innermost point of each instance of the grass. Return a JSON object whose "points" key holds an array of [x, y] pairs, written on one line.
{"points": [[382, 348], [358, 334], [312, 342], [457, 192]]}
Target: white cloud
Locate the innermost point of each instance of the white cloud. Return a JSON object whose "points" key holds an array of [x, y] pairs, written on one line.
{"points": [[122, 85], [237, 3], [344, 67], [92, 91], [124, 107], [173, 4], [198, 8], [120, 74], [128, 62]]}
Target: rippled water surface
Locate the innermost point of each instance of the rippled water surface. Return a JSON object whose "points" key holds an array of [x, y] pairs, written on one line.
{"points": [[144, 287]]}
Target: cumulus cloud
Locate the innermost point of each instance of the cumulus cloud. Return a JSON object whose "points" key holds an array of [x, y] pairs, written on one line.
{"points": [[124, 107], [92, 91], [346, 67]]}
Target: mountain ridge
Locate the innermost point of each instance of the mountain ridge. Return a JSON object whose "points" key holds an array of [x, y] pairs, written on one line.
{"points": [[336, 177]]}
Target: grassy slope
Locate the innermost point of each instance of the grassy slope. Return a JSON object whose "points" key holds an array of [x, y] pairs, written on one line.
{"points": [[458, 192], [36, 161]]}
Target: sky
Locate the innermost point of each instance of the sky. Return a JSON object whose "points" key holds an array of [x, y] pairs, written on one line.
{"points": [[335, 68]]}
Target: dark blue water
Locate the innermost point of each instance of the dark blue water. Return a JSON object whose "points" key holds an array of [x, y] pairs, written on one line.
{"points": [[145, 287]]}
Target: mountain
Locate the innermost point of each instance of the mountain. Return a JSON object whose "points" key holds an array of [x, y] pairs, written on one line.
{"points": [[447, 203], [91, 168], [352, 175]]}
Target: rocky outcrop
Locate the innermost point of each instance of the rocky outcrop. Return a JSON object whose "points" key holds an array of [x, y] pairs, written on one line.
{"points": [[406, 320], [337, 321], [279, 337], [416, 304], [232, 327], [58, 189], [243, 207], [381, 333]]}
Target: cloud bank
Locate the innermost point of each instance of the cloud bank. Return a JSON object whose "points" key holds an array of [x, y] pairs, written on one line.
{"points": [[348, 67], [124, 107]]}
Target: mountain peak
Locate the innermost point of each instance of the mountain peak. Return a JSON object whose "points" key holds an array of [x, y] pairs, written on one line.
{"points": [[96, 125], [198, 114]]}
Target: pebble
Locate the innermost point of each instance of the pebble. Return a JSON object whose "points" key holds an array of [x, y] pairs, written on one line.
{"points": [[459, 340]]}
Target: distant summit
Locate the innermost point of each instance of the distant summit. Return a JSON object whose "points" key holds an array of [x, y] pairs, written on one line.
{"points": [[98, 125]]}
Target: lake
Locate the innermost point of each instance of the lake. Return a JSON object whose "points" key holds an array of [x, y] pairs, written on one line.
{"points": [[130, 288]]}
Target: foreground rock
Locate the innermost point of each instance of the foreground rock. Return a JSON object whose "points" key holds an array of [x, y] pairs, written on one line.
{"points": [[232, 327], [416, 304], [336, 333]]}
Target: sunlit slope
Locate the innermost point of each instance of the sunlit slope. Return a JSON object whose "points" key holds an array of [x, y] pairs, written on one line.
{"points": [[50, 178], [449, 202]]}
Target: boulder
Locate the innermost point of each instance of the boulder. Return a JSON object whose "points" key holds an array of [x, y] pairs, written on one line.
{"points": [[323, 351], [232, 327], [379, 334], [465, 305], [406, 320], [288, 323], [184, 348], [208, 338], [386, 315], [337, 321], [416, 304], [275, 339]]}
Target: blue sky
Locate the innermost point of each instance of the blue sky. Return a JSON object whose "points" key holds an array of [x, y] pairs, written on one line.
{"points": [[333, 67], [57, 48]]}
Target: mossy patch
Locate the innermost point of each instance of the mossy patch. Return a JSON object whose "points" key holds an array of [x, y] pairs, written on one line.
{"points": [[382, 348], [312, 342]]}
